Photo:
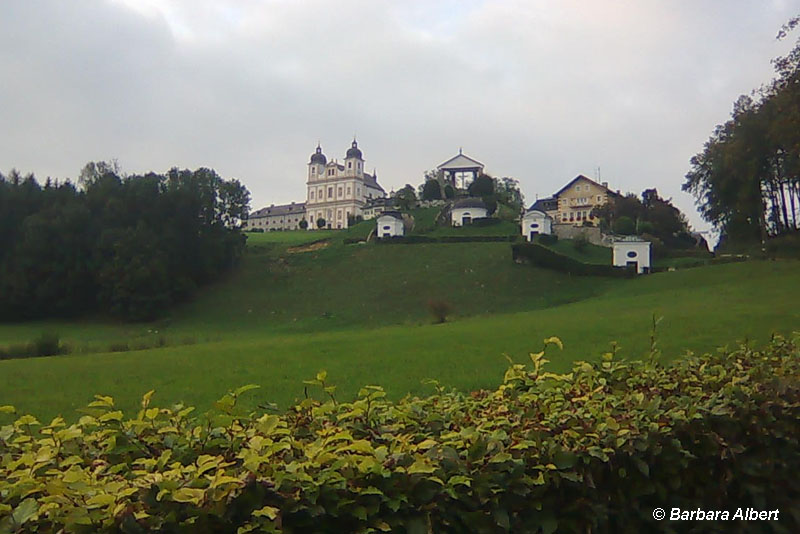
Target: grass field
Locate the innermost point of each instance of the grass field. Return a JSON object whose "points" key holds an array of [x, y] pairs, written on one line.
{"points": [[267, 324]]}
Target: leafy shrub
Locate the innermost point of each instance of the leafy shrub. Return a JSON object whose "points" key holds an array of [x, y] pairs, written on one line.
{"points": [[646, 227], [624, 226], [547, 239], [439, 309], [595, 450], [580, 243], [485, 221], [47, 344], [549, 259], [122, 346], [416, 239]]}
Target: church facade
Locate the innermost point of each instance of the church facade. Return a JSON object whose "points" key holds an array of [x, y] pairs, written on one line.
{"points": [[336, 191]]}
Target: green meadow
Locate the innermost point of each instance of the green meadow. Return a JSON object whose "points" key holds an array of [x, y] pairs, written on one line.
{"points": [[360, 311]]}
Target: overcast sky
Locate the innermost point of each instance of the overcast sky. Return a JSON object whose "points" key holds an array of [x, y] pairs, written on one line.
{"points": [[538, 90]]}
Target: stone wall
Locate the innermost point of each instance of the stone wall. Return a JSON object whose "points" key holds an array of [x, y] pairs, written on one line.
{"points": [[592, 233]]}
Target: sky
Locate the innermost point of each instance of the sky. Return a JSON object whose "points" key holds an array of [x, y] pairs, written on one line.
{"points": [[541, 91]]}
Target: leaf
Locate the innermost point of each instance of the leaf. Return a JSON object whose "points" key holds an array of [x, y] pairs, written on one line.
{"points": [[642, 466], [419, 466], [549, 525], [565, 459], [8, 409], [219, 481], [100, 500], [322, 375], [270, 512], [460, 479], [536, 356], [191, 495], [146, 399], [238, 391], [416, 525], [151, 413], [25, 511], [553, 340], [110, 416], [27, 420], [383, 526], [500, 457]]}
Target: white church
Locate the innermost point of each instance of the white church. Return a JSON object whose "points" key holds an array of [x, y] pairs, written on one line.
{"points": [[338, 190]]}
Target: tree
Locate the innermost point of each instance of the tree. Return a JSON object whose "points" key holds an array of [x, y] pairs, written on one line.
{"points": [[123, 245], [449, 192], [432, 190], [321, 223], [482, 186], [234, 203], [303, 224], [508, 193], [624, 225], [406, 198], [746, 181]]}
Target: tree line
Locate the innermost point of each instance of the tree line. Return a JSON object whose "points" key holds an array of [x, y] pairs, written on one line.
{"points": [[128, 246], [651, 216], [747, 178]]}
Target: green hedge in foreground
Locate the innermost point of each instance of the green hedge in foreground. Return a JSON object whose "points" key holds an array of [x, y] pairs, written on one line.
{"points": [[592, 451]]}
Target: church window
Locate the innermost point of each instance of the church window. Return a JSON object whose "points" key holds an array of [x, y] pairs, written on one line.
{"points": [[339, 214], [599, 198], [330, 192], [339, 192], [312, 195], [349, 164], [313, 170]]}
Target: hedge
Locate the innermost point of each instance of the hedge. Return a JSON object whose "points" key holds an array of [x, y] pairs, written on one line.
{"points": [[542, 256], [416, 239], [591, 451]]}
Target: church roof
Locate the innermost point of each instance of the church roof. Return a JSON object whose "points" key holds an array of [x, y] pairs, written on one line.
{"points": [[372, 181], [544, 204], [460, 161], [318, 156], [354, 151], [285, 209], [393, 214], [469, 203]]}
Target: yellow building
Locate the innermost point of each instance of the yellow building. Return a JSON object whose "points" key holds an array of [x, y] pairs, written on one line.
{"points": [[573, 203]]}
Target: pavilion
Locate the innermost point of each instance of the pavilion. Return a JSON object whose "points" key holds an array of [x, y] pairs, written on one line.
{"points": [[458, 169]]}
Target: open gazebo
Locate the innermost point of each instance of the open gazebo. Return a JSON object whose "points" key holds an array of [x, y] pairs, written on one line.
{"points": [[458, 169]]}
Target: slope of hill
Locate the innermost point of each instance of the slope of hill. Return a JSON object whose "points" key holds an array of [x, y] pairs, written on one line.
{"points": [[360, 312]]}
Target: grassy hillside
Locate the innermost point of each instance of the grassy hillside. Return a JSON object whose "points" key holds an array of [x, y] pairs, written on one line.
{"points": [[588, 253], [280, 289], [359, 311]]}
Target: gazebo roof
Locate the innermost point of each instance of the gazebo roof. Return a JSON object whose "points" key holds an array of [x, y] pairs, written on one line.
{"points": [[460, 162]]}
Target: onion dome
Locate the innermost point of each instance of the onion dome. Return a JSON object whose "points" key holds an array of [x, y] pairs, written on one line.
{"points": [[318, 156], [353, 151]]}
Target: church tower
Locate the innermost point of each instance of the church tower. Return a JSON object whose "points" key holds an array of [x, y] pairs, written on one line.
{"points": [[316, 167], [354, 163]]}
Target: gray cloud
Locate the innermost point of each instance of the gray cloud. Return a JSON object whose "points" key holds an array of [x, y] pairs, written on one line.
{"points": [[540, 91]]}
